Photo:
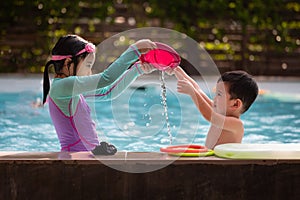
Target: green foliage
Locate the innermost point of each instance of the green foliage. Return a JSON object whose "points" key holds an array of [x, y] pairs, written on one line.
{"points": [[274, 20], [209, 22], [48, 19]]}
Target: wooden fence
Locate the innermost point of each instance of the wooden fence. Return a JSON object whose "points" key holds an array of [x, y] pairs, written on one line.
{"points": [[24, 37]]}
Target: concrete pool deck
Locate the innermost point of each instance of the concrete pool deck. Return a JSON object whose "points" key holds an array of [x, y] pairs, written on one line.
{"points": [[124, 157], [55, 175]]}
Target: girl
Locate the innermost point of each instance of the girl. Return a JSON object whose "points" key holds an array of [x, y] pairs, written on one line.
{"points": [[73, 58]]}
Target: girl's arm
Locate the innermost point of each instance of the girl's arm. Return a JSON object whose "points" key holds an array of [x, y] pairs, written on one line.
{"points": [[129, 57], [94, 82], [76, 85], [114, 90]]}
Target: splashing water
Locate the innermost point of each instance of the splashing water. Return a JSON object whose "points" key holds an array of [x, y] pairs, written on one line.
{"points": [[164, 103]]}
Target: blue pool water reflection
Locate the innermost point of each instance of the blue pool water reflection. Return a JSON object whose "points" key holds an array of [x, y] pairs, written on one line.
{"points": [[135, 121]]}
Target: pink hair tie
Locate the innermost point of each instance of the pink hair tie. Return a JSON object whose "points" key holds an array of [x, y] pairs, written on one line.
{"points": [[89, 48]]}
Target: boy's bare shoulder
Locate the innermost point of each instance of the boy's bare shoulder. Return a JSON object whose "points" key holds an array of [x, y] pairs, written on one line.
{"points": [[218, 135], [230, 137]]}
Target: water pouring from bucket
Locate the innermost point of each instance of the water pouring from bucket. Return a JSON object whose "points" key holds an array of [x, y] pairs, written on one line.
{"points": [[163, 57]]}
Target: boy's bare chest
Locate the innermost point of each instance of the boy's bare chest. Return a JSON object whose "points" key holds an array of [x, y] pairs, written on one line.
{"points": [[217, 136]]}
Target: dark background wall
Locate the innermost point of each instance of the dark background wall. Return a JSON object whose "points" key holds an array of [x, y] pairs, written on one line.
{"points": [[261, 37], [227, 179]]}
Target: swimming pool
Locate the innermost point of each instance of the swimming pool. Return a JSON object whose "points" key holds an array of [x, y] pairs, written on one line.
{"points": [[135, 120]]}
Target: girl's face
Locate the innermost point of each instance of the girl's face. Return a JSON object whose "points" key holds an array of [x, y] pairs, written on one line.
{"points": [[85, 66]]}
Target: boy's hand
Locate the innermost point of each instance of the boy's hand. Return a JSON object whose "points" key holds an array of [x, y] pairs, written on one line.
{"points": [[185, 87], [170, 71], [179, 73], [147, 68], [145, 45]]}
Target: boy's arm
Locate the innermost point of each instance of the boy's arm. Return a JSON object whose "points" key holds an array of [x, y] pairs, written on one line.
{"points": [[180, 74], [228, 123]]}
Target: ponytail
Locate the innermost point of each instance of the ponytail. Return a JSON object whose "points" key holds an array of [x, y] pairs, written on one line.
{"points": [[46, 82]]}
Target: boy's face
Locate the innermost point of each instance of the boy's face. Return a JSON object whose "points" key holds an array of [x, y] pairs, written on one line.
{"points": [[222, 101]]}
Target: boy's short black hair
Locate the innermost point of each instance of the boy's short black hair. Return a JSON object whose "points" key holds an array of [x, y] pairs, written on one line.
{"points": [[241, 86]]}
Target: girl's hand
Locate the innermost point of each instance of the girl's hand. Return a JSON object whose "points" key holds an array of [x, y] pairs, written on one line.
{"points": [[147, 68], [145, 45], [185, 87]]}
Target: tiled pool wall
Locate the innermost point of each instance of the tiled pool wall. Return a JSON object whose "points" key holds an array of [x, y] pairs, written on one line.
{"points": [[49, 176]]}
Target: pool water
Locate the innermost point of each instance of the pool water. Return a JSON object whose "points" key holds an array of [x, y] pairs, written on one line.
{"points": [[135, 121]]}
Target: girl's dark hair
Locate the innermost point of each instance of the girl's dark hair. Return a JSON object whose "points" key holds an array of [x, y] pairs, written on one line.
{"points": [[241, 86], [66, 45]]}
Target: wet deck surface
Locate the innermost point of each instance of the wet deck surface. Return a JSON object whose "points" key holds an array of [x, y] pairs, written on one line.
{"points": [[128, 157]]}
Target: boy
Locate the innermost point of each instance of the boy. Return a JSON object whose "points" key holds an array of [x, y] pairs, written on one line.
{"points": [[235, 93]]}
